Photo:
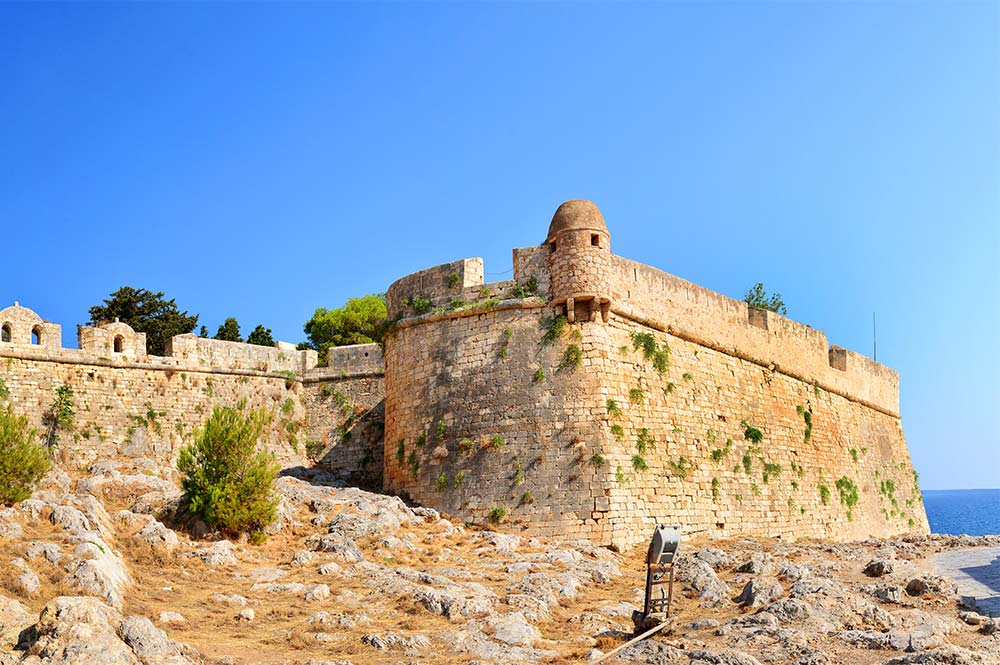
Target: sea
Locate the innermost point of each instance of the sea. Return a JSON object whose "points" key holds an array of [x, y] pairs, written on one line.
{"points": [[970, 512]]}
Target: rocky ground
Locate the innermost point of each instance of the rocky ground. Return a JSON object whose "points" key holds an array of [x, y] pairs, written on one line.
{"points": [[97, 571]]}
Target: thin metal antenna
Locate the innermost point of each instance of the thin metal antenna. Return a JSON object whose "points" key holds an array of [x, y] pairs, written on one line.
{"points": [[874, 340]]}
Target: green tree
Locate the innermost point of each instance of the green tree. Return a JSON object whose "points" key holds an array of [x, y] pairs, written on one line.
{"points": [[357, 322], [260, 336], [761, 299], [229, 331], [203, 332], [23, 460], [228, 476], [146, 312]]}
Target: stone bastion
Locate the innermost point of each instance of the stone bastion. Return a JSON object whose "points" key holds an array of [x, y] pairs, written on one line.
{"points": [[595, 396]]}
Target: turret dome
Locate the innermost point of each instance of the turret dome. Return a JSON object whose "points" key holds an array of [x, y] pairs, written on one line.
{"points": [[576, 215]]}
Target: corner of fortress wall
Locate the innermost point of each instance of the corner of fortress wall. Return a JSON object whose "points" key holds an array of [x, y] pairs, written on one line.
{"points": [[129, 403], [585, 437]]}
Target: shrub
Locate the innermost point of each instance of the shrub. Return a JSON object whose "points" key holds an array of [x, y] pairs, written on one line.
{"points": [[597, 460], [61, 413], [618, 432], [572, 357], [539, 375], [848, 495], [23, 460], [496, 441], [639, 463], [613, 409], [636, 396], [715, 490], [228, 477], [759, 298], [554, 328], [751, 433], [644, 441], [442, 482], [497, 514]]}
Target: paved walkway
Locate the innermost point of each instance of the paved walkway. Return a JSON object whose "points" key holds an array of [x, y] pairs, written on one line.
{"points": [[977, 574]]}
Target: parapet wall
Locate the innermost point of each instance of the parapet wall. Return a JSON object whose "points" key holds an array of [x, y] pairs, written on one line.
{"points": [[668, 303]]}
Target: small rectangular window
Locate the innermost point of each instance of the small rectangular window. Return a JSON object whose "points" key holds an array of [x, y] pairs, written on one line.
{"points": [[595, 240]]}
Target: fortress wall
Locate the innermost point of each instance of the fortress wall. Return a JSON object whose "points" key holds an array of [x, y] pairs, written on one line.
{"points": [[711, 394], [353, 359], [146, 409], [453, 369], [237, 355], [666, 302], [347, 422], [345, 403]]}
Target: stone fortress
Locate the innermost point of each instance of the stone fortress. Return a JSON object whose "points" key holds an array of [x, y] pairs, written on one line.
{"points": [[589, 396]]}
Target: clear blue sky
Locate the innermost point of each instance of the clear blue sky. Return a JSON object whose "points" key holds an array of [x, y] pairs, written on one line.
{"points": [[258, 161]]}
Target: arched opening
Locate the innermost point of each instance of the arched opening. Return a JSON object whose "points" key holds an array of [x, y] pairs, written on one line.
{"points": [[119, 344], [36, 335], [5, 333]]}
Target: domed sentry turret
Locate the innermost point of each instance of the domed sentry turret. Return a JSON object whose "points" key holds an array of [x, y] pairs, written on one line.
{"points": [[580, 262]]}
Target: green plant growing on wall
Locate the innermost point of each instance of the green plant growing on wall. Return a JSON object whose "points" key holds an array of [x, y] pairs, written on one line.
{"points": [[454, 279], [680, 467], [539, 376], [23, 459], [715, 490], [442, 483], [418, 304], [854, 454], [421, 440], [644, 441], [60, 415], [807, 416], [887, 488], [848, 495], [718, 454], [770, 470], [618, 432], [597, 460], [671, 387], [553, 329], [572, 357], [288, 406], [620, 476], [527, 288], [441, 430], [527, 498], [314, 449], [751, 433], [636, 396], [687, 376], [496, 441], [518, 473], [639, 463], [414, 462], [747, 462], [401, 451], [612, 407], [796, 469], [758, 298], [4, 392], [465, 446], [754, 489], [658, 354], [497, 515], [459, 479]]}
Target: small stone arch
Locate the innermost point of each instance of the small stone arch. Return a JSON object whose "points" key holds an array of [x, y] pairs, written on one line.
{"points": [[5, 333], [36, 335], [118, 346]]}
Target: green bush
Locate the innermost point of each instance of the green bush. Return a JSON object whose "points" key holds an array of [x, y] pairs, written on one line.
{"points": [[23, 460], [228, 477]]}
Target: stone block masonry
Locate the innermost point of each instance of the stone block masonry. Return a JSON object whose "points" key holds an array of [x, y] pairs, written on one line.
{"points": [[587, 396], [129, 403], [616, 397]]}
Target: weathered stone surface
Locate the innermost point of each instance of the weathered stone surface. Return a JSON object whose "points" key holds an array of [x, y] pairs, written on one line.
{"points": [[77, 630], [514, 629], [14, 618]]}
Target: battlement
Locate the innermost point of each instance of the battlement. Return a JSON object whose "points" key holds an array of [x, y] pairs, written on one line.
{"points": [[26, 335]]}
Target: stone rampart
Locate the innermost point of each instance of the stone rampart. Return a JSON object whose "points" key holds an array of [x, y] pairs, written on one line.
{"points": [[659, 401]]}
